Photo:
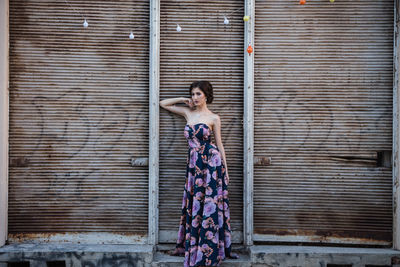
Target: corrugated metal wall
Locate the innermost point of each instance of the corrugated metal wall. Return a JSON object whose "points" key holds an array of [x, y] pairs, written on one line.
{"points": [[323, 109], [323, 113], [78, 114], [205, 49]]}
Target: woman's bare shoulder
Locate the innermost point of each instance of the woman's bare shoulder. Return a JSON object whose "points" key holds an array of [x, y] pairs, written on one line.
{"points": [[215, 118]]}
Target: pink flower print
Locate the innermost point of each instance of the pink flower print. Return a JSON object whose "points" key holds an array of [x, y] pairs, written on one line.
{"points": [[193, 254], [195, 221], [206, 250], [181, 233], [207, 174], [215, 239], [223, 169], [219, 191], [226, 210], [226, 179], [186, 262], [207, 223], [196, 142], [208, 262], [209, 191], [201, 149], [220, 205], [192, 241], [198, 170], [186, 133], [204, 158], [199, 195], [214, 175], [209, 235], [228, 223], [215, 158], [196, 207], [221, 251], [206, 132], [199, 181], [190, 182], [199, 255], [225, 193], [209, 207], [184, 199], [193, 249], [220, 219], [191, 143], [227, 239], [193, 158]]}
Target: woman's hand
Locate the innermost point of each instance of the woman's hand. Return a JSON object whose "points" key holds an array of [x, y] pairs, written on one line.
{"points": [[188, 101]]}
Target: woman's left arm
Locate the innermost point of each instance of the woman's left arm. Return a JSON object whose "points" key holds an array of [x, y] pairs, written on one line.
{"points": [[218, 140]]}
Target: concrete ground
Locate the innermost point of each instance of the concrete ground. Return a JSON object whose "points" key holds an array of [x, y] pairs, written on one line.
{"points": [[81, 255]]}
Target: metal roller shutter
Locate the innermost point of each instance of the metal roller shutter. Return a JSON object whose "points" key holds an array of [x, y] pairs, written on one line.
{"points": [[78, 115], [205, 49], [323, 113]]}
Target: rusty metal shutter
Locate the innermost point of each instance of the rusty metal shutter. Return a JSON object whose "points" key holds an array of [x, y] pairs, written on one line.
{"points": [[205, 49], [323, 113], [78, 115]]}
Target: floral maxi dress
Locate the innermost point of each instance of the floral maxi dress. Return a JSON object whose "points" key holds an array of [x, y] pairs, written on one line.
{"points": [[204, 229]]}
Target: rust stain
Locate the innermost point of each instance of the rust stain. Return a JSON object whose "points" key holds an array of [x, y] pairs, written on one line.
{"points": [[46, 237], [19, 162], [319, 236]]}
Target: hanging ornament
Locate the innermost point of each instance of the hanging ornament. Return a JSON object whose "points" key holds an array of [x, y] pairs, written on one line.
{"points": [[226, 20], [332, 1], [246, 18], [85, 24], [131, 36], [249, 49], [302, 2], [178, 28]]}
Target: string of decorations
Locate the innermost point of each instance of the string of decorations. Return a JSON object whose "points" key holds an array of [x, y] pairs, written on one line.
{"points": [[178, 27]]}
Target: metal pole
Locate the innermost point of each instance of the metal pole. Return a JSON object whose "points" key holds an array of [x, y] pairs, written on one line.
{"points": [[248, 124], [154, 110], [4, 96]]}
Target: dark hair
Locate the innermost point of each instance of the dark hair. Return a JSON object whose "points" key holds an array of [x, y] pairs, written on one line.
{"points": [[205, 87]]}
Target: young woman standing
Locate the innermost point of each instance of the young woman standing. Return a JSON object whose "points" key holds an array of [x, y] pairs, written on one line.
{"points": [[204, 235]]}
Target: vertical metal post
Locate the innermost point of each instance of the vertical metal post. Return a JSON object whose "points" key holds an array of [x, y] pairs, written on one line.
{"points": [[395, 159], [248, 124], [154, 110], [4, 69]]}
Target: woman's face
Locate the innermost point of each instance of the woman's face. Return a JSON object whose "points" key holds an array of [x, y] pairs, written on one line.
{"points": [[198, 97]]}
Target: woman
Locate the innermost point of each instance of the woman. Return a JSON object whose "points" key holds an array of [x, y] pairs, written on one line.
{"points": [[204, 235]]}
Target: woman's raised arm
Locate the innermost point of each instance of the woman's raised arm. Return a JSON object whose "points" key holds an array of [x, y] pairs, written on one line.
{"points": [[169, 104]]}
